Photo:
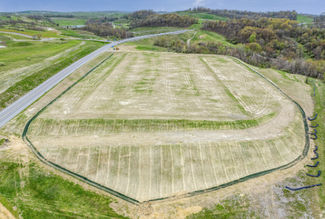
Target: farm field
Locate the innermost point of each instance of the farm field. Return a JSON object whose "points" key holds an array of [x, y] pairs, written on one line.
{"points": [[157, 125]]}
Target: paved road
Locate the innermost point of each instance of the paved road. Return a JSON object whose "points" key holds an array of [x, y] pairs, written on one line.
{"points": [[14, 109], [20, 34], [75, 38], [24, 35]]}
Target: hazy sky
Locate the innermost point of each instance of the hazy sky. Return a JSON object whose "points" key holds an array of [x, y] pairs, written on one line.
{"points": [[305, 6]]}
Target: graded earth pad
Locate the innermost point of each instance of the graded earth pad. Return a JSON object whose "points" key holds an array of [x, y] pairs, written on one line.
{"points": [[157, 125]]}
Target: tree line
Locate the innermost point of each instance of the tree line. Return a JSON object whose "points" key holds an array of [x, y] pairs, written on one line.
{"points": [[236, 14], [142, 14], [101, 20], [106, 29], [164, 20], [39, 17], [320, 18]]}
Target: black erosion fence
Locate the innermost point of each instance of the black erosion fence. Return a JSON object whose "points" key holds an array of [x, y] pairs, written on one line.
{"points": [[189, 194]]}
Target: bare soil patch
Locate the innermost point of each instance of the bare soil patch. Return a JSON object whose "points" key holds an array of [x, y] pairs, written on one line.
{"points": [[4, 213]]}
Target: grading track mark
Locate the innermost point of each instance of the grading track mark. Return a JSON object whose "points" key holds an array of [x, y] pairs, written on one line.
{"points": [[124, 197]]}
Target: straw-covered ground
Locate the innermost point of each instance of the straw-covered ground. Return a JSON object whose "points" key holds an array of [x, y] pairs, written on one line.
{"points": [[156, 125]]}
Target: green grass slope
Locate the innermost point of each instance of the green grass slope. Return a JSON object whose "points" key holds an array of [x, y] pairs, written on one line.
{"points": [[304, 19], [20, 54], [40, 194], [140, 31], [33, 32], [202, 15], [67, 22], [201, 36]]}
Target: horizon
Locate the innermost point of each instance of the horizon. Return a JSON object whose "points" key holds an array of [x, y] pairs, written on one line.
{"points": [[125, 11], [300, 6]]}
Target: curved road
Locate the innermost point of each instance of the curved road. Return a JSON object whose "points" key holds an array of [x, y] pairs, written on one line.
{"points": [[20, 34], [43, 38], [15, 108]]}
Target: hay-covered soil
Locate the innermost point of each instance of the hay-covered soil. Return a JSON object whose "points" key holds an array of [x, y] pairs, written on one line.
{"points": [[155, 125]]}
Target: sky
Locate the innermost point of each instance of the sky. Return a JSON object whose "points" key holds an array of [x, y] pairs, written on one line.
{"points": [[301, 6]]}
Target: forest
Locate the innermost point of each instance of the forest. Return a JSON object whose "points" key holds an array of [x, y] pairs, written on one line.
{"points": [[164, 20], [320, 18], [237, 14], [142, 14], [106, 29], [272, 37], [145, 18]]}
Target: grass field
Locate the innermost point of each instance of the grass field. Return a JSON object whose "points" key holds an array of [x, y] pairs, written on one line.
{"points": [[148, 44], [33, 32], [208, 36], [319, 109], [200, 36], [36, 62], [68, 22], [202, 15], [78, 34], [3, 37], [30, 53], [304, 19], [4, 18], [29, 191], [198, 134], [140, 31], [6, 36]]}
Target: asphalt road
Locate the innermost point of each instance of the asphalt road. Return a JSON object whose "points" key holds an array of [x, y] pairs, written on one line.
{"points": [[15, 108], [20, 34]]}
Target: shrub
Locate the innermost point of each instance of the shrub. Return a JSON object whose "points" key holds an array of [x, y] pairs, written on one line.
{"points": [[2, 64]]}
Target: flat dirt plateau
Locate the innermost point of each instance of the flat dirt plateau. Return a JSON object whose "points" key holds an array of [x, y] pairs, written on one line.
{"points": [[157, 125]]}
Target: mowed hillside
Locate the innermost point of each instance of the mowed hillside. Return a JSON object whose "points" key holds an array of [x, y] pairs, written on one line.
{"points": [[155, 125]]}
